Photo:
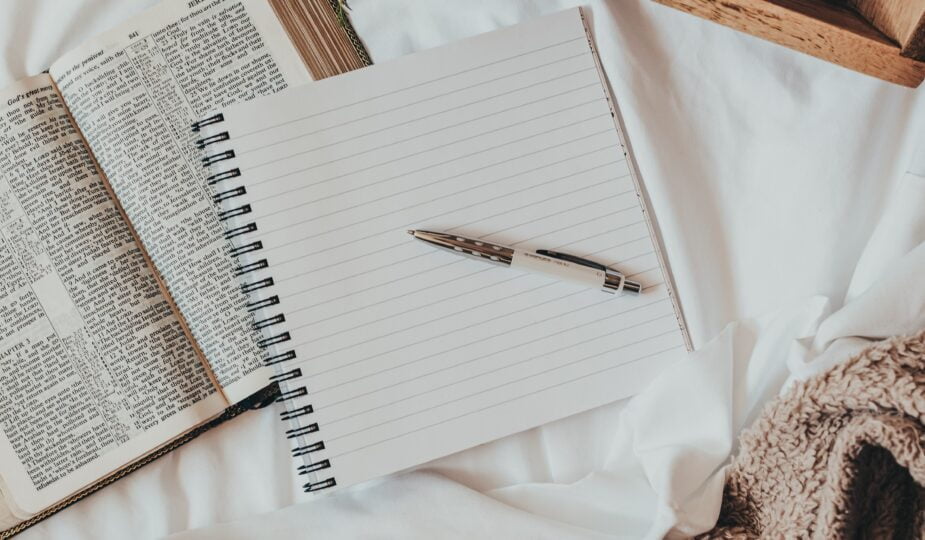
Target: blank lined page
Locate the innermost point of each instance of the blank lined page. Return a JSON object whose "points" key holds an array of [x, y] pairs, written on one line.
{"points": [[409, 353]]}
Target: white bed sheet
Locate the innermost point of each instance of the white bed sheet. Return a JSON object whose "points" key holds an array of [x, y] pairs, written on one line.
{"points": [[769, 172]]}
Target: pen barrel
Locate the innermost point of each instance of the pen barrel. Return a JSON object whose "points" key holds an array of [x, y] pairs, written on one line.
{"points": [[559, 269]]}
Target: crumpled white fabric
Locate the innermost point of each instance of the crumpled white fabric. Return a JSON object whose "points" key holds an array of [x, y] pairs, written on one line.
{"points": [[778, 183], [658, 465], [663, 471]]}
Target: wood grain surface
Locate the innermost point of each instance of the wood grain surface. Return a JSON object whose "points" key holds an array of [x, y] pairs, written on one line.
{"points": [[902, 20], [835, 33]]}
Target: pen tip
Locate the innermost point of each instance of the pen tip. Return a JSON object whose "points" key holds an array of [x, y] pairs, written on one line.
{"points": [[411, 232]]}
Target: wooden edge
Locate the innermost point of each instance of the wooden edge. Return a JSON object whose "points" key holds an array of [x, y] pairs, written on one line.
{"points": [[915, 45], [901, 20], [323, 36], [832, 33]]}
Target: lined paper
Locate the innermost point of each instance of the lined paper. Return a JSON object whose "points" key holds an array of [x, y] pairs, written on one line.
{"points": [[409, 353]]}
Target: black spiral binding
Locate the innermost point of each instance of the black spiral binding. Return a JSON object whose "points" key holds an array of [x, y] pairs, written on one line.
{"points": [[222, 192]]}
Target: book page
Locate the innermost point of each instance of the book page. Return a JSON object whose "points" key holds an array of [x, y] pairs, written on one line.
{"points": [[95, 369], [405, 352], [134, 93]]}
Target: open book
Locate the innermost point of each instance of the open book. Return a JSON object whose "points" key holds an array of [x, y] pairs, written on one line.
{"points": [[390, 353], [122, 326]]}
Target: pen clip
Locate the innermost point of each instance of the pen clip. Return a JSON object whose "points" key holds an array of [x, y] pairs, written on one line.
{"points": [[571, 259]]}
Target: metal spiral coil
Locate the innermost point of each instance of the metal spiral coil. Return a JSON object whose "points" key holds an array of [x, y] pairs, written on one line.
{"points": [[222, 194]]}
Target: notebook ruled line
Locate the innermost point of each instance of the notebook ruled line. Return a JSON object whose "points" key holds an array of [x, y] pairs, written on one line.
{"points": [[441, 197], [450, 315], [459, 175], [251, 168], [437, 285], [432, 320], [246, 134], [591, 220], [508, 349], [354, 224], [306, 360], [584, 205], [312, 306], [432, 115], [377, 269], [598, 372], [560, 212], [491, 181], [432, 389], [290, 242], [352, 139], [534, 203], [457, 158]]}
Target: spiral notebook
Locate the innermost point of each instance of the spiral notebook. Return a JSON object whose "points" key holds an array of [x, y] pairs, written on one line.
{"points": [[390, 353]]}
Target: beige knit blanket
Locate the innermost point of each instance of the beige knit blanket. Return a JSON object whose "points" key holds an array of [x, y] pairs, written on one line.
{"points": [[841, 455]]}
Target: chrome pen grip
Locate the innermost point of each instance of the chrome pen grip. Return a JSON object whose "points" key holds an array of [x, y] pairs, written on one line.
{"points": [[468, 247]]}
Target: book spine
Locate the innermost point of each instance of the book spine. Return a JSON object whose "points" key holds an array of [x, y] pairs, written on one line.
{"points": [[256, 283]]}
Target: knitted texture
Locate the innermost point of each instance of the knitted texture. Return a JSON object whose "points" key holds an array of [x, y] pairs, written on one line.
{"points": [[841, 455]]}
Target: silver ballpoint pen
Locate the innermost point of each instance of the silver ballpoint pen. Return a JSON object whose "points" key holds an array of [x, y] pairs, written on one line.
{"points": [[551, 263]]}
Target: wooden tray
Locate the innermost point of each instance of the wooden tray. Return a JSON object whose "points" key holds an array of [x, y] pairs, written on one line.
{"points": [[883, 38]]}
